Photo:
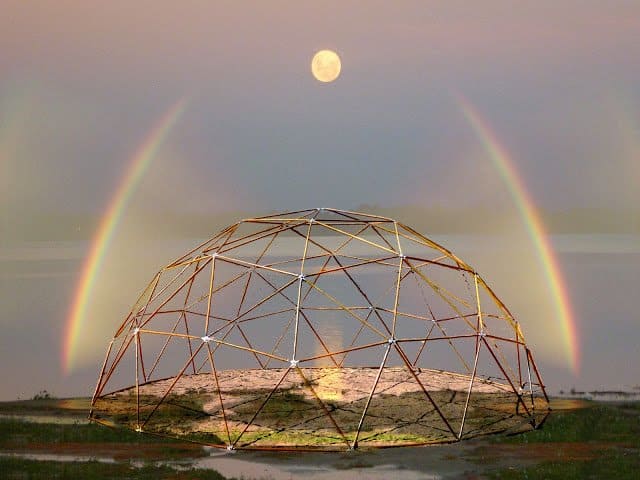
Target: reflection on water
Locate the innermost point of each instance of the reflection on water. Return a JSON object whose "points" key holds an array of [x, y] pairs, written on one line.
{"points": [[53, 457], [346, 466], [236, 465]]}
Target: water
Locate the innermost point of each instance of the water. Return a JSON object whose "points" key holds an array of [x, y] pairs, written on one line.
{"points": [[373, 465], [602, 272], [54, 457]]}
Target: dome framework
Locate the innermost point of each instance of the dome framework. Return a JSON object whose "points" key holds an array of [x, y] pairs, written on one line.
{"points": [[319, 329]]}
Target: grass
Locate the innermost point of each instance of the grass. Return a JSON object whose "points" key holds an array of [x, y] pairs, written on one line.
{"points": [[607, 435], [13, 468], [16, 432], [601, 441], [294, 439], [42, 405], [174, 408], [596, 423], [614, 465], [17, 435], [281, 406], [20, 436]]}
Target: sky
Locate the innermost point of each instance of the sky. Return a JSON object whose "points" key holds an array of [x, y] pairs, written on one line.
{"points": [[82, 85], [82, 82]]}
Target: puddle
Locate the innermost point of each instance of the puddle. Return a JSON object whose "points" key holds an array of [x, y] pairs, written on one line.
{"points": [[412, 463], [233, 466], [52, 457], [238, 468]]}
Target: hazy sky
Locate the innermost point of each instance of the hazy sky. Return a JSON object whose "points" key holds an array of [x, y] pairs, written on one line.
{"points": [[83, 83]]}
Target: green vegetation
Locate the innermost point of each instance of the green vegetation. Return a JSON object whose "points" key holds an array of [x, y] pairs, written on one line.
{"points": [[168, 416], [288, 437], [282, 406], [89, 440], [18, 468], [18, 435], [601, 441], [597, 423], [391, 437], [43, 395], [613, 464], [15, 432], [41, 404]]}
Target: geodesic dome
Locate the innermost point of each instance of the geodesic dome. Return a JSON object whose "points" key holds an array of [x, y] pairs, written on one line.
{"points": [[319, 329]]}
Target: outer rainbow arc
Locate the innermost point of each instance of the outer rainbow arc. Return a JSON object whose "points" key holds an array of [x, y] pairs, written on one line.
{"points": [[138, 165], [534, 225]]}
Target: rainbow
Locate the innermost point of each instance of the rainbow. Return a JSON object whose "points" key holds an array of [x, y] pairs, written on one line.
{"points": [[138, 165], [534, 226]]}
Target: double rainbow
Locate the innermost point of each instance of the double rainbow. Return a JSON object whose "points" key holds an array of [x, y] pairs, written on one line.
{"points": [[505, 166], [148, 149], [138, 165]]}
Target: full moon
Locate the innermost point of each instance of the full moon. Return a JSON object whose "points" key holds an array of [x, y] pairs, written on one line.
{"points": [[325, 66]]}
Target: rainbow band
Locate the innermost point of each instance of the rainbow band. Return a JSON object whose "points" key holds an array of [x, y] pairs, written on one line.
{"points": [[138, 165], [535, 228]]}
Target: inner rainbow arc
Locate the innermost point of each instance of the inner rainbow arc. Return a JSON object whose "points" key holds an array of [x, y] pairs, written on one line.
{"points": [[138, 165], [506, 168]]}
